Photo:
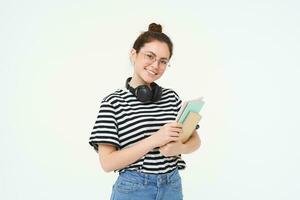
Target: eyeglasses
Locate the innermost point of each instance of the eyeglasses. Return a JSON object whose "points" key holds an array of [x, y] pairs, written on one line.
{"points": [[150, 58]]}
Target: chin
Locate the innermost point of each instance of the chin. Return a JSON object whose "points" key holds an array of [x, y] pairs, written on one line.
{"points": [[149, 79]]}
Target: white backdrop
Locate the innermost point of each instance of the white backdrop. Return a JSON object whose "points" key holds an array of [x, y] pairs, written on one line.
{"points": [[58, 59]]}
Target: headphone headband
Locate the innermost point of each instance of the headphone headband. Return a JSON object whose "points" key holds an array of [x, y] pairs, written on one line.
{"points": [[144, 93]]}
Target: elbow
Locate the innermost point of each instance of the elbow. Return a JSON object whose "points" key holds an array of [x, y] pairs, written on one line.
{"points": [[198, 143], [106, 166], [107, 170], [106, 160]]}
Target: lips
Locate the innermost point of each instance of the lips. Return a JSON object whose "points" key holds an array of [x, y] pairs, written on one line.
{"points": [[151, 72]]}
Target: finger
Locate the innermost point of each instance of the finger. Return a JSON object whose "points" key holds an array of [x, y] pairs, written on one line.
{"points": [[173, 139], [177, 130], [176, 125], [173, 134]]}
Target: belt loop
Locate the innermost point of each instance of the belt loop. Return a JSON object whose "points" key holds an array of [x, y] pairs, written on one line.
{"points": [[168, 178], [145, 179]]}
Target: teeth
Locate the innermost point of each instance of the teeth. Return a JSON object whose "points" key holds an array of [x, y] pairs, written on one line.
{"points": [[151, 72]]}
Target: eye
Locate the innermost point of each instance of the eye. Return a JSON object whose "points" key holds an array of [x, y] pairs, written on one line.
{"points": [[164, 62], [150, 56]]}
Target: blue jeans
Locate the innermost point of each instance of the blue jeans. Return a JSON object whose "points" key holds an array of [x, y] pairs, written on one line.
{"points": [[135, 185]]}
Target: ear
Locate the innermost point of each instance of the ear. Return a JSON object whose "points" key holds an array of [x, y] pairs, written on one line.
{"points": [[133, 55]]}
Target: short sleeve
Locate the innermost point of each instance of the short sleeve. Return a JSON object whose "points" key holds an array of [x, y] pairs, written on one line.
{"points": [[105, 130], [178, 101]]}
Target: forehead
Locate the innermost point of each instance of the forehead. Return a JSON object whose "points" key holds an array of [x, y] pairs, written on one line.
{"points": [[160, 49]]}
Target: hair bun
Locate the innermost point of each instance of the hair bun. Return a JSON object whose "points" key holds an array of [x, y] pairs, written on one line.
{"points": [[153, 27]]}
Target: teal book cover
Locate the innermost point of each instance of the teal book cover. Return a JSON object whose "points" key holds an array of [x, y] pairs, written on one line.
{"points": [[192, 106]]}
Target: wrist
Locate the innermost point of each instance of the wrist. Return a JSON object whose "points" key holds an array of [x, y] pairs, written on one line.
{"points": [[150, 141]]}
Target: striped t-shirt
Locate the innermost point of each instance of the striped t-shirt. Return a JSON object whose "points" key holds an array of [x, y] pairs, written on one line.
{"points": [[123, 120]]}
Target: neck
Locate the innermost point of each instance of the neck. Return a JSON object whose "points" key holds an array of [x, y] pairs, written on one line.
{"points": [[137, 81]]}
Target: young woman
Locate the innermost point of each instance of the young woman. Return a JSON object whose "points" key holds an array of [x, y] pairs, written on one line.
{"points": [[135, 132]]}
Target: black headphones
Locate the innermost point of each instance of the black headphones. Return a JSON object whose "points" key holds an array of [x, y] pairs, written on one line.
{"points": [[144, 93]]}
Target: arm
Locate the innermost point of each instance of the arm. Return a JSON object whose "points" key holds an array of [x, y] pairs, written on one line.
{"points": [[112, 159], [176, 148], [192, 144]]}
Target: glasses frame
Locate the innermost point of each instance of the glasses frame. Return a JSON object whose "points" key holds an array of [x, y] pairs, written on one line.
{"points": [[155, 59]]}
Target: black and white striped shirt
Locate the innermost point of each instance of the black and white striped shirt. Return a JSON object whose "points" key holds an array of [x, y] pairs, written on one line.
{"points": [[123, 120]]}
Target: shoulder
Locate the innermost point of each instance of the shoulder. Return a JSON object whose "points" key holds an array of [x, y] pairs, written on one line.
{"points": [[170, 92], [114, 97]]}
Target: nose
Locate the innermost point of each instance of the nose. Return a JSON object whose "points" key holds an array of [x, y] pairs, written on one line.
{"points": [[155, 64]]}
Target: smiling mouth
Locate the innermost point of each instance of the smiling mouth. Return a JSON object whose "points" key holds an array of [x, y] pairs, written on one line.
{"points": [[151, 72]]}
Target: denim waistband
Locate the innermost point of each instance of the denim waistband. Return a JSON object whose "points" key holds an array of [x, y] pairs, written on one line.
{"points": [[145, 178]]}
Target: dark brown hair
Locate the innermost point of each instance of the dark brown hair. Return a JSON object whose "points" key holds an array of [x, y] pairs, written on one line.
{"points": [[154, 33]]}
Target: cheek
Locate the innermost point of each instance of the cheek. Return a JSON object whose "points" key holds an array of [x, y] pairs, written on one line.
{"points": [[139, 66], [162, 70]]}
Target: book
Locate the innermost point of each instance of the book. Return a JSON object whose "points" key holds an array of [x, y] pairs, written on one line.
{"points": [[189, 117], [189, 106]]}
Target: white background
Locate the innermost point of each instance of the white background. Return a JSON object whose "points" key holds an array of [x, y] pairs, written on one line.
{"points": [[58, 59]]}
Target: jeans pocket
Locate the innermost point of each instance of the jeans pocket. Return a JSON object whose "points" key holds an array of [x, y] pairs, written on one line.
{"points": [[125, 185], [176, 185], [175, 182]]}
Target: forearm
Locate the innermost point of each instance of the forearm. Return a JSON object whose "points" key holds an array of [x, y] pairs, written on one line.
{"points": [[192, 144], [122, 158]]}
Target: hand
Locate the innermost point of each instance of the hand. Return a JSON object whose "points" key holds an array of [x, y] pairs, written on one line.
{"points": [[172, 148], [167, 133]]}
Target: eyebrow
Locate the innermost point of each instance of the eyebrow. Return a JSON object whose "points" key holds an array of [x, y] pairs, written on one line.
{"points": [[156, 55]]}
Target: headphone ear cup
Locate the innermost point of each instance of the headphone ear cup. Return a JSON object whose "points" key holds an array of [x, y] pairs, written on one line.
{"points": [[156, 92], [143, 93]]}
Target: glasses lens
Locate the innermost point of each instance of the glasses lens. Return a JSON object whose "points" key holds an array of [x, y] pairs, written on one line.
{"points": [[149, 57]]}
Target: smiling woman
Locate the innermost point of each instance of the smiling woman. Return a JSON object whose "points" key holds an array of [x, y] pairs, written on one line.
{"points": [[147, 67], [135, 133]]}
